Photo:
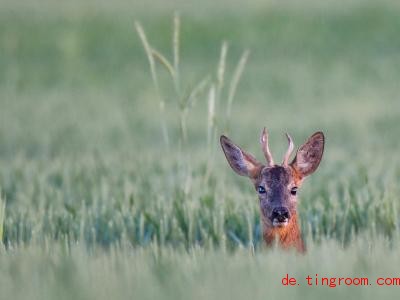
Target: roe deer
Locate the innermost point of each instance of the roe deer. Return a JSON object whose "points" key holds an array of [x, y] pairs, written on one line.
{"points": [[277, 185]]}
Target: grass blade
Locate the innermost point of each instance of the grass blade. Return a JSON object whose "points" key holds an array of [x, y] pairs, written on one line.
{"points": [[2, 218], [149, 52], [234, 83]]}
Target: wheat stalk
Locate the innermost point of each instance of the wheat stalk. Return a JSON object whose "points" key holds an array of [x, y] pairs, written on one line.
{"points": [[150, 56], [234, 83], [2, 218]]}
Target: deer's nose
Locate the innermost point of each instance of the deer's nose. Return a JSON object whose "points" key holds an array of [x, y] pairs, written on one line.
{"points": [[280, 213]]}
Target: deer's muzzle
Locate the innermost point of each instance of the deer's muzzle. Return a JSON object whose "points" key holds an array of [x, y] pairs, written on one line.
{"points": [[280, 216]]}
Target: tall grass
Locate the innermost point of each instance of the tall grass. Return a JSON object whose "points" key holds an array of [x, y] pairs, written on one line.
{"points": [[184, 198], [187, 95], [101, 203], [2, 217]]}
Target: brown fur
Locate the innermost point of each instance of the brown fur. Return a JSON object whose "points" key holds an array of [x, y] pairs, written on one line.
{"points": [[297, 177], [288, 237]]}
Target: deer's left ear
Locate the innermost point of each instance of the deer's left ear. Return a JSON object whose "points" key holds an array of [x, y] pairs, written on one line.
{"points": [[309, 155]]}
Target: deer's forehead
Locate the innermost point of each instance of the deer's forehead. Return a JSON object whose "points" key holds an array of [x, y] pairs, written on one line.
{"points": [[276, 175]]}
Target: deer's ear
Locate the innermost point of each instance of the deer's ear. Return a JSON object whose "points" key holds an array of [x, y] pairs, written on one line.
{"points": [[241, 162], [309, 155]]}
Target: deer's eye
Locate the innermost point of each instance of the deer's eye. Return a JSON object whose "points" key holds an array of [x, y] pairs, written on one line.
{"points": [[261, 189], [293, 191]]}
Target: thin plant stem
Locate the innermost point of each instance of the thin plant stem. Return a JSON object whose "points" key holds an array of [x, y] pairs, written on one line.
{"points": [[149, 52], [2, 218], [175, 49], [234, 83]]}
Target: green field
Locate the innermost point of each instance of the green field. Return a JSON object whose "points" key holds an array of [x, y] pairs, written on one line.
{"points": [[95, 204]]}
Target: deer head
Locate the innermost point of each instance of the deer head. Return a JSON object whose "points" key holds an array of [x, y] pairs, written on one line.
{"points": [[277, 185]]}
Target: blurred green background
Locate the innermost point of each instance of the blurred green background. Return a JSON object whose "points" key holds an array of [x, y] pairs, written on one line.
{"points": [[97, 206]]}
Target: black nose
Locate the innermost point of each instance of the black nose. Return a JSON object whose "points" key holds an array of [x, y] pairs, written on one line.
{"points": [[280, 213]]}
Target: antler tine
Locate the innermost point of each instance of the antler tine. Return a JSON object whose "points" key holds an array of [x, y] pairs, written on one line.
{"points": [[289, 150], [265, 147]]}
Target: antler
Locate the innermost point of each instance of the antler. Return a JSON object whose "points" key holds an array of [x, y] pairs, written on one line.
{"points": [[289, 150], [265, 147]]}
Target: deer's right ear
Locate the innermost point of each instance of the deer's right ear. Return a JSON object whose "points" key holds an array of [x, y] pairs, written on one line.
{"points": [[309, 155], [241, 162]]}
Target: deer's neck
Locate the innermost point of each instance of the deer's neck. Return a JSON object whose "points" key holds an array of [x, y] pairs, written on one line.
{"points": [[288, 237]]}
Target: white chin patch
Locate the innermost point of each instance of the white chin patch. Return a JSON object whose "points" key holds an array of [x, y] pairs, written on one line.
{"points": [[276, 223]]}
